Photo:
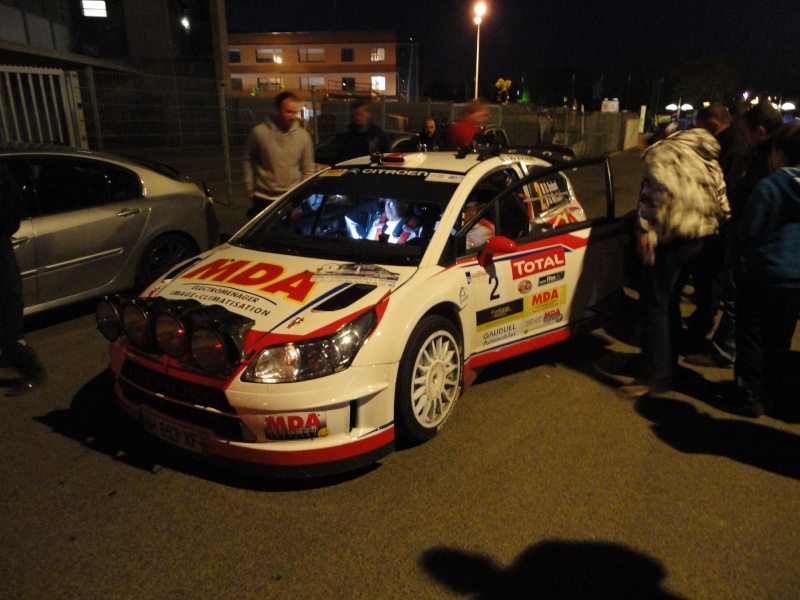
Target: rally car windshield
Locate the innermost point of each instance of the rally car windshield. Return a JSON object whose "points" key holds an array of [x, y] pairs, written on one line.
{"points": [[375, 214]]}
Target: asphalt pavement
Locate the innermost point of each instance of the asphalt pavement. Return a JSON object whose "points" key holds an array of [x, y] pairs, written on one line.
{"points": [[544, 484]]}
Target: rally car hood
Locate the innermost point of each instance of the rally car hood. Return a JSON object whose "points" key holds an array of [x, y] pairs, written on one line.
{"points": [[291, 295]]}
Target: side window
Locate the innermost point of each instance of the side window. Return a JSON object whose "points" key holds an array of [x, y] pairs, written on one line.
{"points": [[550, 202], [122, 184], [66, 185], [507, 215], [16, 174]]}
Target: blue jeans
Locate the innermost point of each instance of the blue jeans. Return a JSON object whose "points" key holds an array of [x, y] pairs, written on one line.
{"points": [[659, 299]]}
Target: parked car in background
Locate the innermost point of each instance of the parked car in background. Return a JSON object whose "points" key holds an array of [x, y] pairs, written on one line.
{"points": [[358, 307], [94, 223]]}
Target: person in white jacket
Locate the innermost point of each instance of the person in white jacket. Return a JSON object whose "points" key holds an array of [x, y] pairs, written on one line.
{"points": [[682, 201]]}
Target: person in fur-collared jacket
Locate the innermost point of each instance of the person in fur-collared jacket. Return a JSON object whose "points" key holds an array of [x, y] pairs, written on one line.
{"points": [[682, 201]]}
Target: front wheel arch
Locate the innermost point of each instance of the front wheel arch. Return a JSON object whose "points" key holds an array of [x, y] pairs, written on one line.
{"points": [[429, 379]]}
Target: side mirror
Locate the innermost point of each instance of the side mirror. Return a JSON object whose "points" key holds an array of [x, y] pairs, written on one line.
{"points": [[499, 244]]}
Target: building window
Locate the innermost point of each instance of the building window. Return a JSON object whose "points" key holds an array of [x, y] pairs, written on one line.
{"points": [[94, 8], [311, 55], [349, 83], [306, 83], [270, 83], [236, 84], [379, 84], [268, 55], [234, 56], [378, 55], [348, 55]]}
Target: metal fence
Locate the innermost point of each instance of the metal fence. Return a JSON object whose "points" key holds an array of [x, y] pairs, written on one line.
{"points": [[40, 105], [194, 126]]}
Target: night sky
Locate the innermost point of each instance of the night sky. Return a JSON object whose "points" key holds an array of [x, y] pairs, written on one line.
{"points": [[602, 38]]}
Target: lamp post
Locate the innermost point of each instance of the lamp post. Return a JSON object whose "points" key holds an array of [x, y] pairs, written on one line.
{"points": [[480, 10]]}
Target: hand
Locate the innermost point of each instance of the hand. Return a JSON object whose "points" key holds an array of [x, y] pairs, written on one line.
{"points": [[645, 247]]}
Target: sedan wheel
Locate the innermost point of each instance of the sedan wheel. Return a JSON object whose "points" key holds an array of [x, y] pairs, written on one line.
{"points": [[161, 255], [429, 379]]}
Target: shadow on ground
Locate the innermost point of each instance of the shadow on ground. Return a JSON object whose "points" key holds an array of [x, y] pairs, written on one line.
{"points": [[552, 569], [683, 427]]}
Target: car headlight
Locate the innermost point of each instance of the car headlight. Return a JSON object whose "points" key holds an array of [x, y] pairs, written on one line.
{"points": [[309, 359]]}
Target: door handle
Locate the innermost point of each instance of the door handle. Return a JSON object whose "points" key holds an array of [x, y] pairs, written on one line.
{"points": [[127, 212], [18, 241]]}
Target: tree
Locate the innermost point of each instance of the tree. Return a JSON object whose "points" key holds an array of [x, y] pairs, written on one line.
{"points": [[705, 78], [503, 86]]}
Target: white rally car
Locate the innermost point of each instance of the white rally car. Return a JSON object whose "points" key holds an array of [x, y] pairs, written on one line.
{"points": [[358, 308]]}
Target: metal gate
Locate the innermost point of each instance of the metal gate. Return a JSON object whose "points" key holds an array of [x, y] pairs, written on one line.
{"points": [[41, 105]]}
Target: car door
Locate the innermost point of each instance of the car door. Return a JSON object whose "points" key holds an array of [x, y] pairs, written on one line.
{"points": [[91, 217], [544, 285]]}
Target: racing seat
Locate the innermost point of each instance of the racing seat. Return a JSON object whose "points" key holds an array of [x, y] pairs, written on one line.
{"points": [[429, 214]]}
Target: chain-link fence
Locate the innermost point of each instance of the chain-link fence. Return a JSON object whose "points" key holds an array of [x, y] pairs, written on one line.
{"points": [[194, 126]]}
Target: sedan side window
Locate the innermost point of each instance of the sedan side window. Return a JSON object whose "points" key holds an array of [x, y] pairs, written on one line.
{"points": [[66, 185], [18, 175], [123, 184]]}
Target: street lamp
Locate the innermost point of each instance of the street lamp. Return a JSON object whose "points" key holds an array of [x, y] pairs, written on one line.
{"points": [[679, 107], [480, 10]]}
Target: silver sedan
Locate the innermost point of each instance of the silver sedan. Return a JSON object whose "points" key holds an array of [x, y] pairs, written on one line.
{"points": [[94, 223]]}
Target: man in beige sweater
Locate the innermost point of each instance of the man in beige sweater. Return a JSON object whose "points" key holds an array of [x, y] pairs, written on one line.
{"points": [[278, 154]]}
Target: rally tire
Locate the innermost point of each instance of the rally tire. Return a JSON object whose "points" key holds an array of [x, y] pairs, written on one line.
{"points": [[160, 255], [429, 379]]}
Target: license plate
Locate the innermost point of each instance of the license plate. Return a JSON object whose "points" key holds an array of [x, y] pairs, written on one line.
{"points": [[174, 433]]}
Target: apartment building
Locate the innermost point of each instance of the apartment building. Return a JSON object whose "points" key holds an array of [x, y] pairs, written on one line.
{"points": [[335, 64]]}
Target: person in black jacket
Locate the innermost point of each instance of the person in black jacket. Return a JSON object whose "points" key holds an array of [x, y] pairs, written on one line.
{"points": [[364, 137], [14, 350], [710, 274]]}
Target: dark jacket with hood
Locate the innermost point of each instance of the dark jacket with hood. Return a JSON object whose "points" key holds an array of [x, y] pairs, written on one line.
{"points": [[768, 232]]}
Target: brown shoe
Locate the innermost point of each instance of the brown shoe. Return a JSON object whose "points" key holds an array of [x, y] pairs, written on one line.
{"points": [[710, 359], [642, 387]]}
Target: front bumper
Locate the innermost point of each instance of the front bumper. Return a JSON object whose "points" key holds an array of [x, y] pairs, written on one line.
{"points": [[323, 426]]}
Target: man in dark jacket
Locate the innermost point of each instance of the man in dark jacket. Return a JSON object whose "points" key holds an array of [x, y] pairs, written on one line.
{"points": [[757, 127], [14, 350], [364, 137], [768, 287], [710, 273]]}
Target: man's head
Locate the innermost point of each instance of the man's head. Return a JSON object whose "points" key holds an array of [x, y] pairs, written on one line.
{"points": [[360, 113], [395, 209], [287, 110], [430, 127], [714, 118], [786, 146], [760, 122], [477, 113]]}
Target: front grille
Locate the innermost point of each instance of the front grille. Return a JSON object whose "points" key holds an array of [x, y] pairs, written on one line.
{"points": [[134, 382], [177, 389]]}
